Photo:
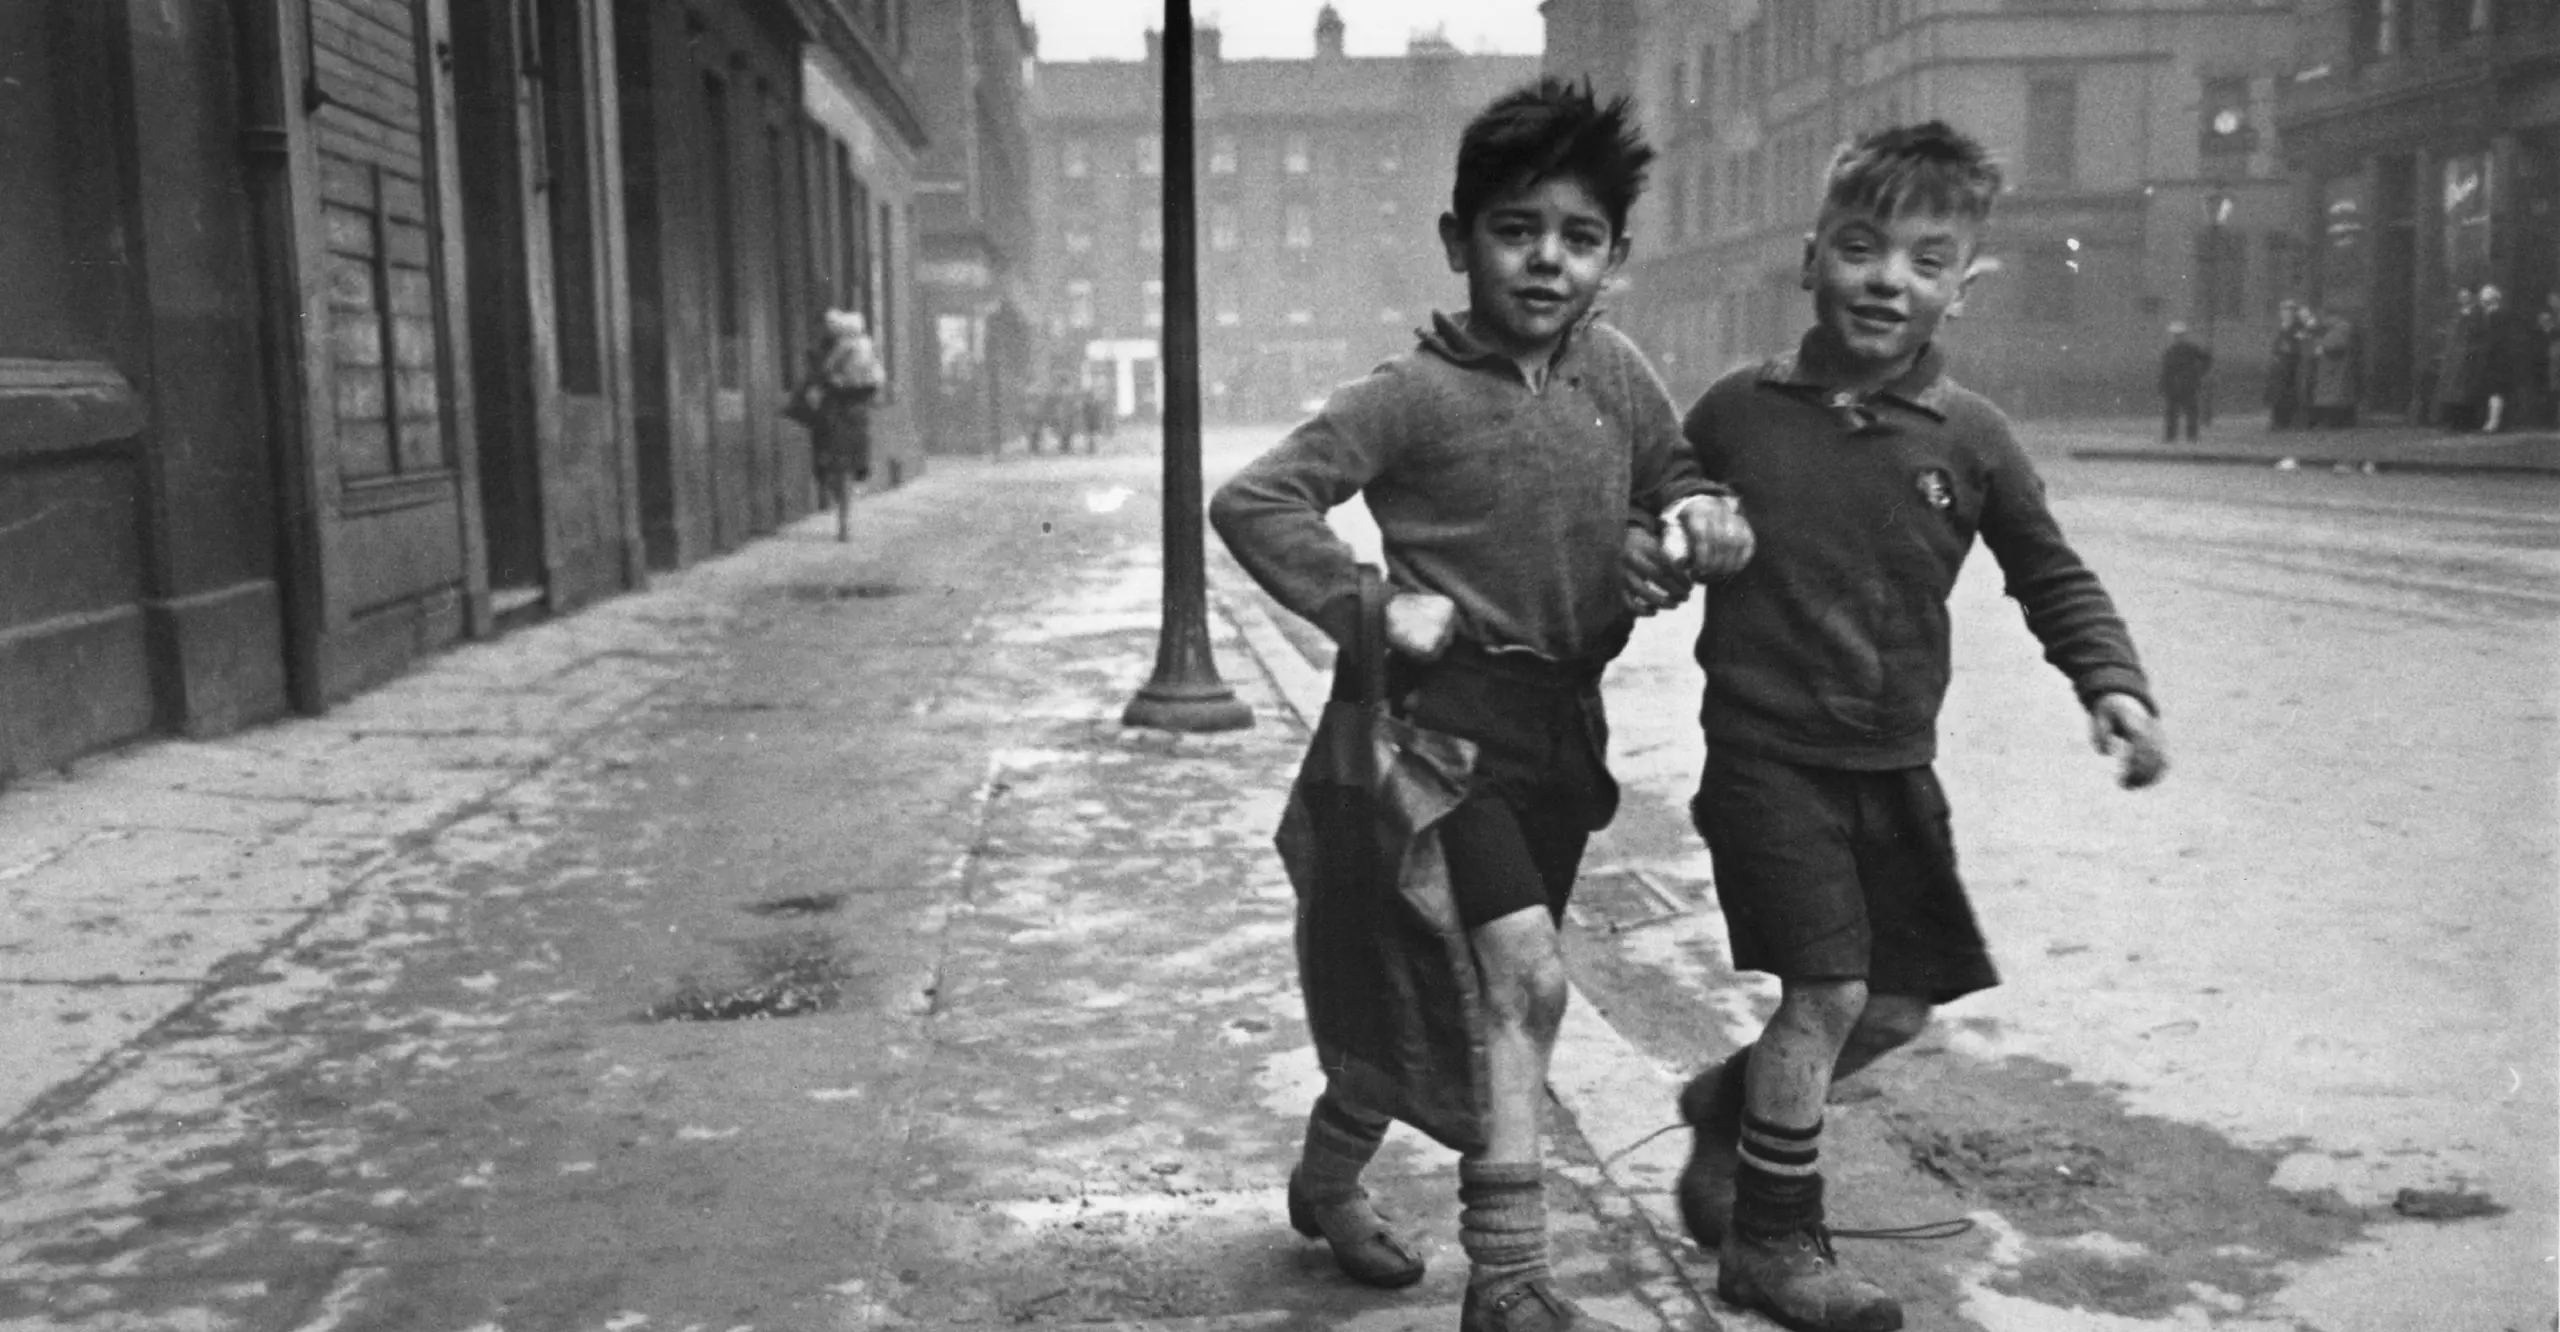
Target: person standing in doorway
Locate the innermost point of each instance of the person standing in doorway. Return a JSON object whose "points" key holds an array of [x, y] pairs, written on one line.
{"points": [[2284, 369], [2183, 366], [2336, 371], [2502, 361]]}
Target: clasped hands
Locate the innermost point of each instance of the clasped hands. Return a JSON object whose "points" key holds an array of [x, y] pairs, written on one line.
{"points": [[1706, 539]]}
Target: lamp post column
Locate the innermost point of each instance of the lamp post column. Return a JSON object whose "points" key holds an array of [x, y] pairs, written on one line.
{"points": [[1185, 693]]}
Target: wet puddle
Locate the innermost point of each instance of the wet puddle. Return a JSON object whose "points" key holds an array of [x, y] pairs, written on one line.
{"points": [[786, 976]]}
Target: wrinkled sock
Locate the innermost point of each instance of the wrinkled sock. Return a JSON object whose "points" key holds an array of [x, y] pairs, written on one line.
{"points": [[1502, 1223], [1778, 1191], [1339, 1145]]}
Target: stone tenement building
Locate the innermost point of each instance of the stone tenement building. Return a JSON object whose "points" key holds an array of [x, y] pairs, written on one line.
{"points": [[2427, 136], [2144, 182], [1320, 185]]}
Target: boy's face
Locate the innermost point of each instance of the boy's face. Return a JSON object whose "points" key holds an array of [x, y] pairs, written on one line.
{"points": [[1882, 285], [1535, 258]]}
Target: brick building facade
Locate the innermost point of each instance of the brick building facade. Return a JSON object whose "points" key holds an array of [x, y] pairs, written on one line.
{"points": [[1320, 184]]}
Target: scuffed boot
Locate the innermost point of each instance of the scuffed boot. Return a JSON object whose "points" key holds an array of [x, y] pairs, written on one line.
{"points": [[1531, 1307], [1711, 1105], [1796, 1279], [1363, 1246]]}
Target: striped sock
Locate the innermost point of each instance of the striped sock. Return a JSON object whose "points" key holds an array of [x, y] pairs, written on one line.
{"points": [[1778, 1191], [1502, 1223]]}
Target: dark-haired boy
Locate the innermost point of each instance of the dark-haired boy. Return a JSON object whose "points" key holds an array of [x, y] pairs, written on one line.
{"points": [[1867, 473], [1519, 462]]}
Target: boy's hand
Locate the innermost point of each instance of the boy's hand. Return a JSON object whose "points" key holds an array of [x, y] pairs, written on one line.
{"points": [[1420, 624], [2121, 728], [1648, 575], [1717, 537]]}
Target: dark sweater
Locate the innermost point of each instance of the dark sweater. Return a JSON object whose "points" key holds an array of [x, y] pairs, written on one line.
{"points": [[1511, 502], [1830, 648]]}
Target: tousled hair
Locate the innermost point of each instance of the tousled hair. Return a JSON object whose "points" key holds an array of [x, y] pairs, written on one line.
{"points": [[1925, 168], [1548, 129]]}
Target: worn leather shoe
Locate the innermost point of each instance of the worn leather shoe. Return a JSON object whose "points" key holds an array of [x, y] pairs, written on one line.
{"points": [[1532, 1307], [1711, 1105], [1797, 1280], [1367, 1253]]}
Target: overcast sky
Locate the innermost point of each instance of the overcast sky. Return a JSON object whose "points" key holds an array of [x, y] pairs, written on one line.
{"points": [[1248, 29]]}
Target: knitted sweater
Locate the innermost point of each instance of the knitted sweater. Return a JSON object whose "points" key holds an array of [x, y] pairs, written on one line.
{"points": [[1510, 501]]}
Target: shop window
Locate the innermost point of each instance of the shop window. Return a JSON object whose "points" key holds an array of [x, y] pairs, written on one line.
{"points": [[2467, 188]]}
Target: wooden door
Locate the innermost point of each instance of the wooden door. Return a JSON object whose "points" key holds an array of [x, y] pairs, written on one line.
{"points": [[393, 526]]}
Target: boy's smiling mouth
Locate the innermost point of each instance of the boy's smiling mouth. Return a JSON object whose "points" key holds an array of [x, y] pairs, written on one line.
{"points": [[1882, 318]]}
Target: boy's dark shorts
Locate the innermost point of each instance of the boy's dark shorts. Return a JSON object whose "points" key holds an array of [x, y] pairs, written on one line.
{"points": [[1542, 783], [1832, 874]]}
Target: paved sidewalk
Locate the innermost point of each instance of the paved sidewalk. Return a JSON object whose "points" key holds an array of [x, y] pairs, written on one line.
{"points": [[352, 1023], [2247, 441]]}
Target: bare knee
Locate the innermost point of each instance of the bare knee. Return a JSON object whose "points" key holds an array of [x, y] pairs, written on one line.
{"points": [[1830, 1008], [1523, 972]]}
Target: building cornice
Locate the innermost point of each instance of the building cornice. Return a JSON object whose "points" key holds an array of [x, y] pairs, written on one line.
{"points": [[874, 72]]}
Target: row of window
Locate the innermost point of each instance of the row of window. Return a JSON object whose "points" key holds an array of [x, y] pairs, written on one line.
{"points": [[1080, 308], [2387, 28], [1297, 156], [1226, 231]]}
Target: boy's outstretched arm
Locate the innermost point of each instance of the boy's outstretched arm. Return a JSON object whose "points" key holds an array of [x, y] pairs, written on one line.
{"points": [[2070, 612]]}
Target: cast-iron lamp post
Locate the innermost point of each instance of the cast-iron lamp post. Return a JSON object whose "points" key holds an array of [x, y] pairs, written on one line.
{"points": [[1186, 693]]}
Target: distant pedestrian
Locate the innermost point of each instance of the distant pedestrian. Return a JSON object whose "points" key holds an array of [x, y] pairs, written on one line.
{"points": [[2548, 323], [844, 376], [1089, 403], [2459, 357], [2337, 371], [2504, 361], [2284, 368], [1061, 411], [2183, 366]]}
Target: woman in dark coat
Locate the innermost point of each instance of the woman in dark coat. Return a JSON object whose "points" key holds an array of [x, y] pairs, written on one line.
{"points": [[2284, 369], [844, 370], [2459, 359]]}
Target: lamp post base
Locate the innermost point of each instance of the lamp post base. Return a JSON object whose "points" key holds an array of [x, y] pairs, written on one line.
{"points": [[1194, 707]]}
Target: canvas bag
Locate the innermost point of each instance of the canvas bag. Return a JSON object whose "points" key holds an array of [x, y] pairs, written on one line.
{"points": [[1383, 963]]}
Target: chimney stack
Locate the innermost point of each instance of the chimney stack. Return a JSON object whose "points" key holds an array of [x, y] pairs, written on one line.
{"points": [[1204, 43], [1328, 33]]}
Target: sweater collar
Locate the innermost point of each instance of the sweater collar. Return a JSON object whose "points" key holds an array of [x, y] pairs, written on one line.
{"points": [[1453, 339], [1815, 366]]}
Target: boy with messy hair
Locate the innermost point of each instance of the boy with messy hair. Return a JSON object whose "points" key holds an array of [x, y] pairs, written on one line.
{"points": [[1520, 463], [1867, 473]]}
